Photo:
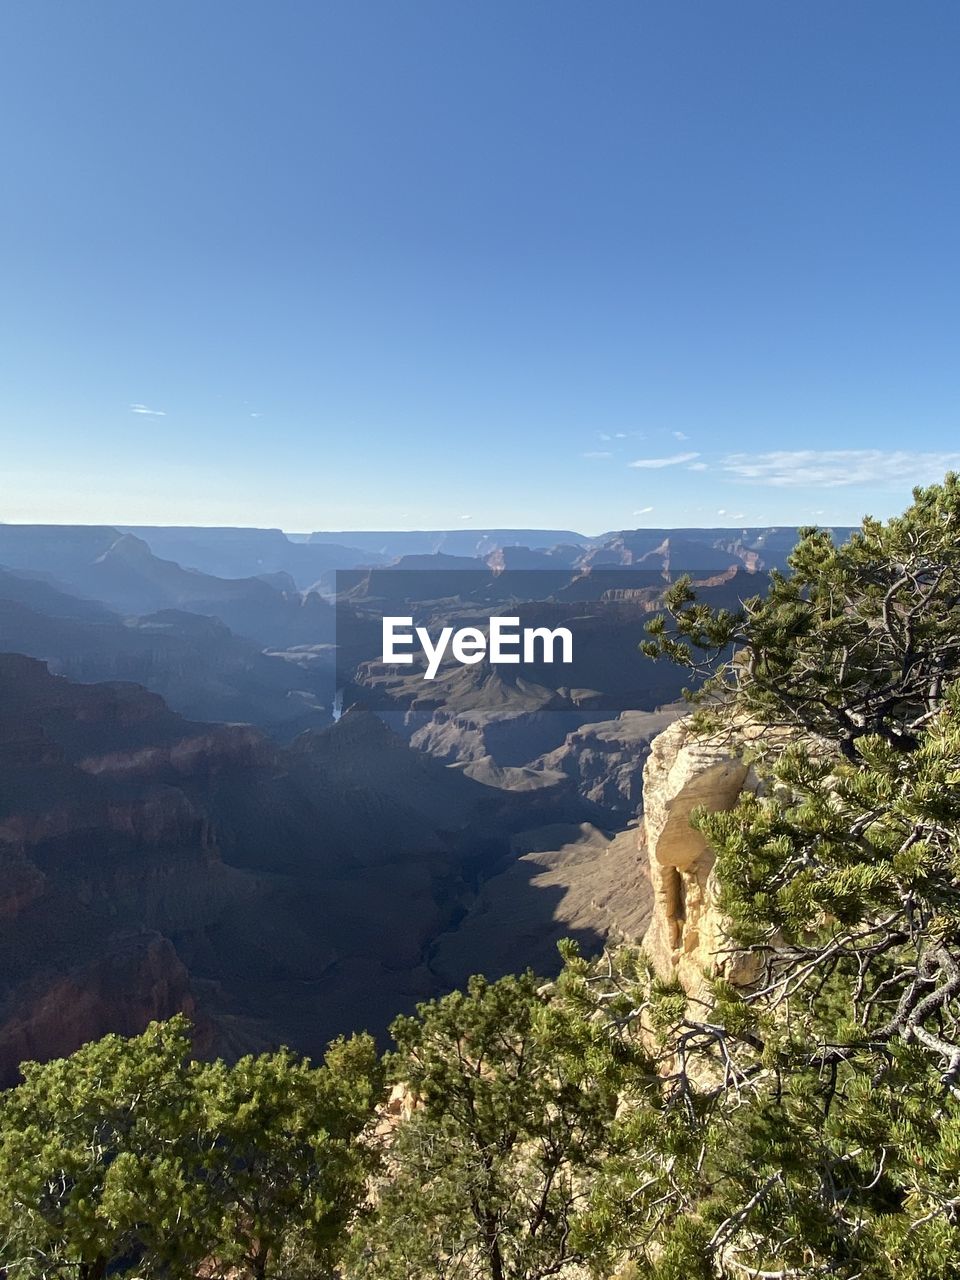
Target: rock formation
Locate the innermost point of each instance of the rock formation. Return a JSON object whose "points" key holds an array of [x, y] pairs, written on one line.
{"points": [[601, 758], [686, 936]]}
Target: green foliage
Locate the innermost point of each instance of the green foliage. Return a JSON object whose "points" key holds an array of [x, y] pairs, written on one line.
{"points": [[91, 1172], [129, 1158], [517, 1099], [856, 640], [803, 1122], [282, 1173], [821, 1099]]}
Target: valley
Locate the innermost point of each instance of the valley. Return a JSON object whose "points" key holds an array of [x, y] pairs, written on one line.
{"points": [[215, 795]]}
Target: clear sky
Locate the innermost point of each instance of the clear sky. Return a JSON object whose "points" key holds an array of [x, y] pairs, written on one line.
{"points": [[432, 263]]}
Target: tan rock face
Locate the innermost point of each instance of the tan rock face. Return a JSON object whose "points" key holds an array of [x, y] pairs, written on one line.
{"points": [[400, 1105], [684, 773]]}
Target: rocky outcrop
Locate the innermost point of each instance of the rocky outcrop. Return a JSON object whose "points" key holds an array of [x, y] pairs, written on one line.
{"points": [[683, 772], [134, 981]]}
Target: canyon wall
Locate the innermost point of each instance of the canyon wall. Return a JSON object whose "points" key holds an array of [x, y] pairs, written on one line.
{"points": [[150, 864]]}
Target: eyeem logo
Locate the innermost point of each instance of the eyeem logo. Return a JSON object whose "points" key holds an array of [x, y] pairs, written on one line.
{"points": [[507, 642]]}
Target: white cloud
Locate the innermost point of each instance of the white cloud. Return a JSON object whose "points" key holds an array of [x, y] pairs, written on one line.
{"points": [[153, 413], [680, 435], [835, 468], [656, 463], [697, 466], [466, 517], [604, 435], [598, 453], [644, 511]]}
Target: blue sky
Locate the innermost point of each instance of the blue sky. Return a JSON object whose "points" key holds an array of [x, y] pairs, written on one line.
{"points": [[431, 263]]}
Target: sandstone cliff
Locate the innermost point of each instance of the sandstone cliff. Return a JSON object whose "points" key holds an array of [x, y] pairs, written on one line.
{"points": [[686, 936]]}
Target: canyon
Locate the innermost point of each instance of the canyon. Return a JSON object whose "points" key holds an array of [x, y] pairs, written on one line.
{"points": [[187, 822], [149, 863]]}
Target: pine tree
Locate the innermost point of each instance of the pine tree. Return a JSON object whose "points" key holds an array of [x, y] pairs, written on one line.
{"points": [[517, 1096], [130, 1158], [812, 1118]]}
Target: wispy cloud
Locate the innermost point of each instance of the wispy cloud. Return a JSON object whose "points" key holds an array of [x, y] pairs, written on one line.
{"points": [[644, 511], [680, 435], [836, 468], [466, 517], [598, 453], [153, 413], [674, 460], [698, 466]]}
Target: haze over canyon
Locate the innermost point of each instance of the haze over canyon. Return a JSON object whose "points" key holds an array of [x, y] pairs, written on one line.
{"points": [[216, 797]]}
